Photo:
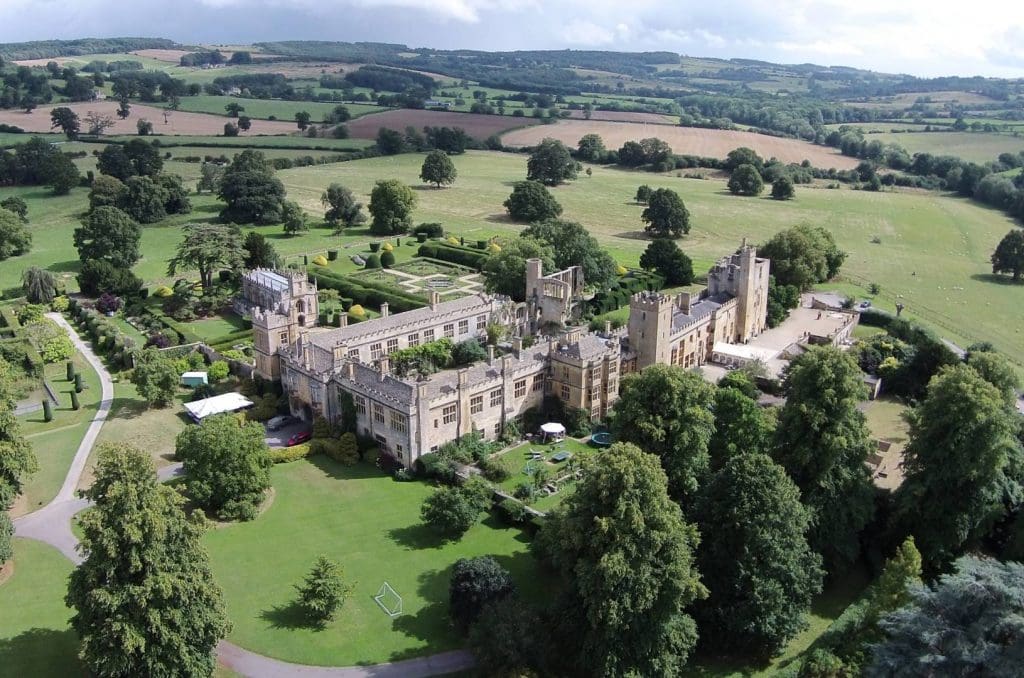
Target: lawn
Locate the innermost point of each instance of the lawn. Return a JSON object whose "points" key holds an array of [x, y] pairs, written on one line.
{"points": [[215, 145], [218, 326], [35, 639], [981, 147], [370, 524], [519, 464], [886, 419]]}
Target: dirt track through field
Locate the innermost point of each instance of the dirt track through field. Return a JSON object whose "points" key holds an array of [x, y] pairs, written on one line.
{"points": [[711, 143], [178, 122]]}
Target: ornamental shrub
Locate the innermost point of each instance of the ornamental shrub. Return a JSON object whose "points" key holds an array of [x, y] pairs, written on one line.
{"points": [[320, 260], [373, 261], [387, 260]]}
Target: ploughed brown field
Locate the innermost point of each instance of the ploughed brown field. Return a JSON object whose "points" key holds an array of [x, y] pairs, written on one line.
{"points": [[712, 143], [629, 116], [476, 125], [178, 122]]}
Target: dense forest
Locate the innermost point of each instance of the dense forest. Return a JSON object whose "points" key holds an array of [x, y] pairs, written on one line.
{"points": [[45, 49]]}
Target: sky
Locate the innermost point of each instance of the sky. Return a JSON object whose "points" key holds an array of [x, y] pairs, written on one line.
{"points": [[919, 37]]}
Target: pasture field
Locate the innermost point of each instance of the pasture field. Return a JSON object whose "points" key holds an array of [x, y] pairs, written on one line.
{"points": [[933, 255], [262, 109], [216, 144], [907, 99], [476, 125], [683, 140], [973, 146]]}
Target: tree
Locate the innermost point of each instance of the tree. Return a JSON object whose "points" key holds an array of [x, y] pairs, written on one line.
{"points": [[631, 154], [803, 256], [962, 454], [15, 238], [1009, 255], [342, 210], [124, 109], [234, 109], [145, 600], [996, 370], [135, 158], [230, 129], [155, 377], [531, 201], [144, 200], [741, 426], [451, 511], [625, 555], [302, 119], [438, 169], [38, 285], [175, 194], [476, 583], [108, 234], [665, 214], [667, 411], [591, 148], [551, 164], [207, 247], [17, 205], [244, 123], [143, 127], [742, 156], [17, 460], [106, 191], [664, 256], [114, 162], [67, 120], [252, 193], [227, 465], [391, 204], [754, 557], [782, 189], [390, 142], [823, 442], [61, 174], [572, 245], [507, 639], [323, 591], [293, 218], [968, 624], [505, 272], [97, 123], [210, 175], [259, 252], [781, 299], [643, 194], [746, 180], [891, 590]]}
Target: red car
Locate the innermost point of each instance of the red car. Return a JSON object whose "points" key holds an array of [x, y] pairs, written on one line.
{"points": [[300, 437]]}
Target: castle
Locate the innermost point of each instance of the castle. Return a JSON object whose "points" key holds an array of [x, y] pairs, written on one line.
{"points": [[324, 371]]}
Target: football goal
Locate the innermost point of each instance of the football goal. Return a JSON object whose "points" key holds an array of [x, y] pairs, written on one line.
{"points": [[389, 600]]}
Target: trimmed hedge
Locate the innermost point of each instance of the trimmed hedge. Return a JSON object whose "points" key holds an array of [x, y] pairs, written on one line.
{"points": [[283, 455], [365, 292], [456, 254], [618, 293]]}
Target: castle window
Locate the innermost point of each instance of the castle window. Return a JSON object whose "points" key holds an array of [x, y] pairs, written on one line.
{"points": [[428, 335], [302, 321], [448, 414], [392, 345], [398, 422], [449, 330], [538, 383], [496, 398], [398, 449], [463, 326], [283, 338], [353, 354], [360, 402], [414, 339], [520, 388], [565, 392], [375, 351], [300, 306], [481, 322], [497, 430], [476, 404], [378, 413]]}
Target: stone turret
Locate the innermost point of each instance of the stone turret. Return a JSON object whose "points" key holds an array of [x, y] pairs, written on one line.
{"points": [[650, 323]]}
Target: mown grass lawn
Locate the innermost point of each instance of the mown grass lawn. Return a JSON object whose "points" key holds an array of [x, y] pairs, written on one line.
{"points": [[371, 525], [35, 639], [517, 459]]}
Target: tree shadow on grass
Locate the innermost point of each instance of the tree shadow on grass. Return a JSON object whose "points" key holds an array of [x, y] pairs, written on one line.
{"points": [[417, 537], [127, 408], [41, 652], [996, 279], [290, 617], [430, 624], [69, 266]]}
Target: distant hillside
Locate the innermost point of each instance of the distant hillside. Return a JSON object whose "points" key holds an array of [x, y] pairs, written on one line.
{"points": [[44, 49]]}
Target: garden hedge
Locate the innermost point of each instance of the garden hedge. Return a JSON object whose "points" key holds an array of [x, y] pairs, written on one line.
{"points": [[465, 256], [365, 292]]}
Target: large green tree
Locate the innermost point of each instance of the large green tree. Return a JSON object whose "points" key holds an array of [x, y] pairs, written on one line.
{"points": [[252, 193], [506, 270], [207, 247], [591, 148], [996, 370], [341, 207], [746, 180], [323, 591], [754, 558], [227, 465], [551, 163], [664, 256], [145, 600], [823, 442], [451, 511], [741, 426], [155, 377], [293, 219], [531, 201], [66, 120], [106, 191], [15, 238], [475, 584], [259, 252], [17, 460], [963, 456], [803, 256], [666, 215], [667, 411], [144, 200], [572, 245], [1009, 254], [967, 624], [108, 234], [391, 205], [438, 169], [38, 285], [626, 558]]}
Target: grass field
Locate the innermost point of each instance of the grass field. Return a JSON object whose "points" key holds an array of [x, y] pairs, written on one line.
{"points": [[516, 461], [973, 146], [370, 524], [221, 144], [262, 109], [34, 636]]}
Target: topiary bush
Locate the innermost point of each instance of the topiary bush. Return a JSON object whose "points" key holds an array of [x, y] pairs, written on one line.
{"points": [[374, 246], [283, 455], [163, 291], [320, 260], [372, 261], [387, 247], [387, 260]]}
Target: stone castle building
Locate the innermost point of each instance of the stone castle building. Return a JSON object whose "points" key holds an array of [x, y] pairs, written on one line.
{"points": [[323, 369]]}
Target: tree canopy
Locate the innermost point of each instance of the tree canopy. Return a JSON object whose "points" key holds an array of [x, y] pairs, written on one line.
{"points": [[108, 234], [664, 256], [591, 148], [530, 201], [783, 189], [391, 205], [626, 558], [803, 256], [341, 207], [746, 180], [38, 285], [252, 193], [572, 245], [665, 214], [144, 596], [15, 238], [741, 425], [323, 591], [259, 252], [438, 169], [475, 584], [551, 163], [1009, 254], [155, 377], [207, 247], [506, 270]]}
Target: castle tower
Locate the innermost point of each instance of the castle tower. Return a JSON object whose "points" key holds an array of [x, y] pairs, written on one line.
{"points": [[650, 323], [270, 332], [751, 293], [283, 304]]}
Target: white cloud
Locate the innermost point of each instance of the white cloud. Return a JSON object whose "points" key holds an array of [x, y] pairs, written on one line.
{"points": [[587, 33]]}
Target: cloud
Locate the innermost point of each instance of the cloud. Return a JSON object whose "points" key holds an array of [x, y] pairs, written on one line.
{"points": [[587, 33]]}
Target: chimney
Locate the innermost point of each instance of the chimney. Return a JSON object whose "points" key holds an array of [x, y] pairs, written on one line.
{"points": [[343, 320], [385, 366], [683, 300], [552, 344], [350, 370], [490, 354], [384, 309], [463, 377], [607, 328], [434, 298], [517, 347]]}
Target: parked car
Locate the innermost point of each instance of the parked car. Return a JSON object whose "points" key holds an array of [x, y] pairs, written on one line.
{"points": [[298, 438], [280, 421], [865, 304]]}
